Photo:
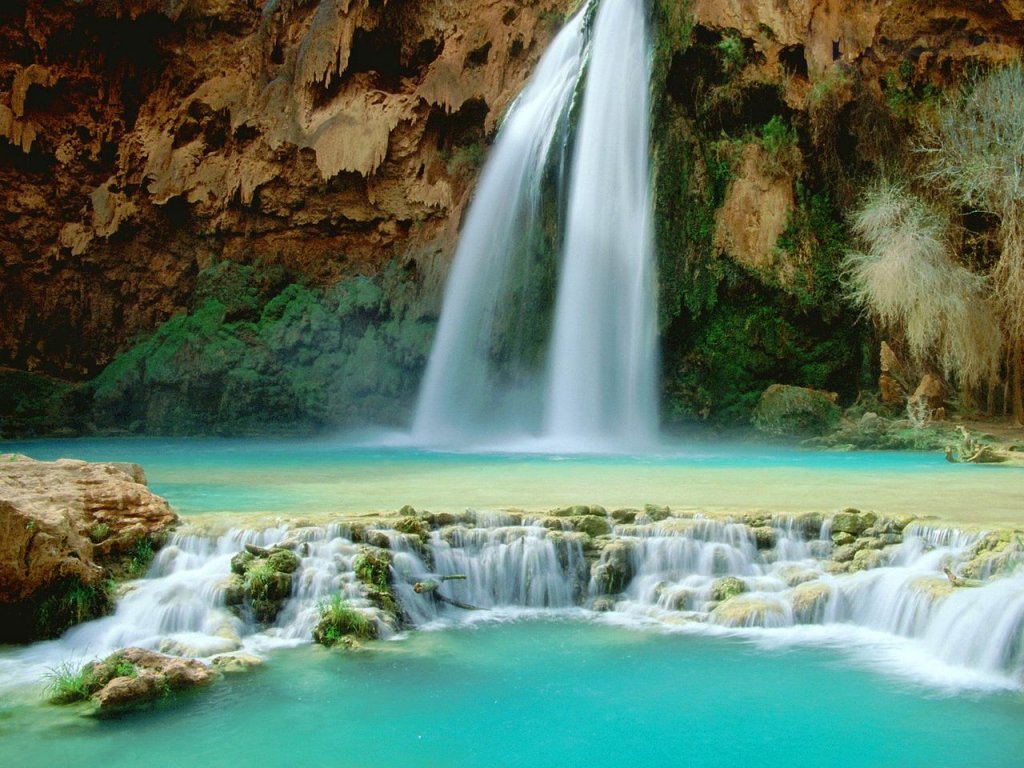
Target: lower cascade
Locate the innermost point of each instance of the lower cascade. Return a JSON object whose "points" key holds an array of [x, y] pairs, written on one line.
{"points": [[942, 606]]}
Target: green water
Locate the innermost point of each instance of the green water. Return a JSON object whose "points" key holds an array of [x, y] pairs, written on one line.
{"points": [[542, 693], [250, 476]]}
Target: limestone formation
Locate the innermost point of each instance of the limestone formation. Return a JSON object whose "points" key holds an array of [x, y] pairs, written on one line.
{"points": [[66, 528], [323, 136]]}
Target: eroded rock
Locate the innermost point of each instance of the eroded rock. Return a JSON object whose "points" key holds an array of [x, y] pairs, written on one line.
{"points": [[66, 528]]}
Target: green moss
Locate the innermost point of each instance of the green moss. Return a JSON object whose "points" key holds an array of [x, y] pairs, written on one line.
{"points": [[339, 620], [99, 532], [68, 603], [260, 354], [373, 568]]}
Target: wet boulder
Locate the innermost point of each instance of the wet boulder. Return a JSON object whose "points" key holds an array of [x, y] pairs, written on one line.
{"points": [[795, 411], [727, 587], [261, 582], [615, 569]]}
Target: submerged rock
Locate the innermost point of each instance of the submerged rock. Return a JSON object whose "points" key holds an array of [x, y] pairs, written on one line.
{"points": [[66, 528]]}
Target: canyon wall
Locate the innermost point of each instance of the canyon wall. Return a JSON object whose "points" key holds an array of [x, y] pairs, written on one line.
{"points": [[260, 173], [144, 140]]}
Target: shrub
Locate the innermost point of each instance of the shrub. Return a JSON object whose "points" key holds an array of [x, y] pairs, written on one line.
{"points": [[338, 620], [908, 281], [68, 682], [975, 145]]}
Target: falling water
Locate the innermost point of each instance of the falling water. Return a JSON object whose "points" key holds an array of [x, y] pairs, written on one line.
{"points": [[594, 388], [901, 612], [602, 363]]}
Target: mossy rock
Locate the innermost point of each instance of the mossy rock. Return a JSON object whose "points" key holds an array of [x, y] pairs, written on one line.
{"points": [[283, 561], [809, 600], [852, 521], [795, 411], [764, 536], [373, 567], [727, 587], [240, 563], [591, 525], [339, 620], [625, 515], [656, 513], [613, 572], [412, 526]]}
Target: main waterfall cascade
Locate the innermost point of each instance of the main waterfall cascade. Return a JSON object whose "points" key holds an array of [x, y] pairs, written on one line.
{"points": [[595, 386], [682, 574]]}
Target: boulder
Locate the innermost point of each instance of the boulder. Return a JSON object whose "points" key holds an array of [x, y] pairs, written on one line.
{"points": [[809, 600], [727, 587], [130, 678], [613, 572], [891, 381], [260, 582], [789, 411], [66, 528]]}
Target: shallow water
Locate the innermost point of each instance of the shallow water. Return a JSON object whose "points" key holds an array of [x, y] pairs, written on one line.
{"points": [[533, 693], [312, 477]]}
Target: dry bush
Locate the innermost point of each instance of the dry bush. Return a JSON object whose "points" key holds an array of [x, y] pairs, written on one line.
{"points": [[975, 147], [907, 280]]}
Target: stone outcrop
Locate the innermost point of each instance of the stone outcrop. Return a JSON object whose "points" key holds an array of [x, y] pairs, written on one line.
{"points": [[788, 410], [132, 678], [261, 581], [66, 528]]}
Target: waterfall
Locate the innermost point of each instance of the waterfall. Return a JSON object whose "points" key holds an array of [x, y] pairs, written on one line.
{"points": [[548, 322], [774, 584], [602, 364]]}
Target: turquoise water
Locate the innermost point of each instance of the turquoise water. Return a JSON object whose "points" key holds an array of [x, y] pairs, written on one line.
{"points": [[541, 693], [202, 476]]}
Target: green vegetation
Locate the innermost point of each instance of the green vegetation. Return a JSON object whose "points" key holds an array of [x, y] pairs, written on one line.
{"points": [[70, 602], [260, 354], [31, 404], [99, 532], [339, 620], [69, 682], [733, 53]]}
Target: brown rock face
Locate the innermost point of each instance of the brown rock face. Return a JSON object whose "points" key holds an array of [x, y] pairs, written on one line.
{"points": [[141, 141], [63, 526]]}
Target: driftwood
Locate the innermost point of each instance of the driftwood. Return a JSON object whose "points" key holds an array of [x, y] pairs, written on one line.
{"points": [[970, 451], [431, 587], [955, 580]]}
